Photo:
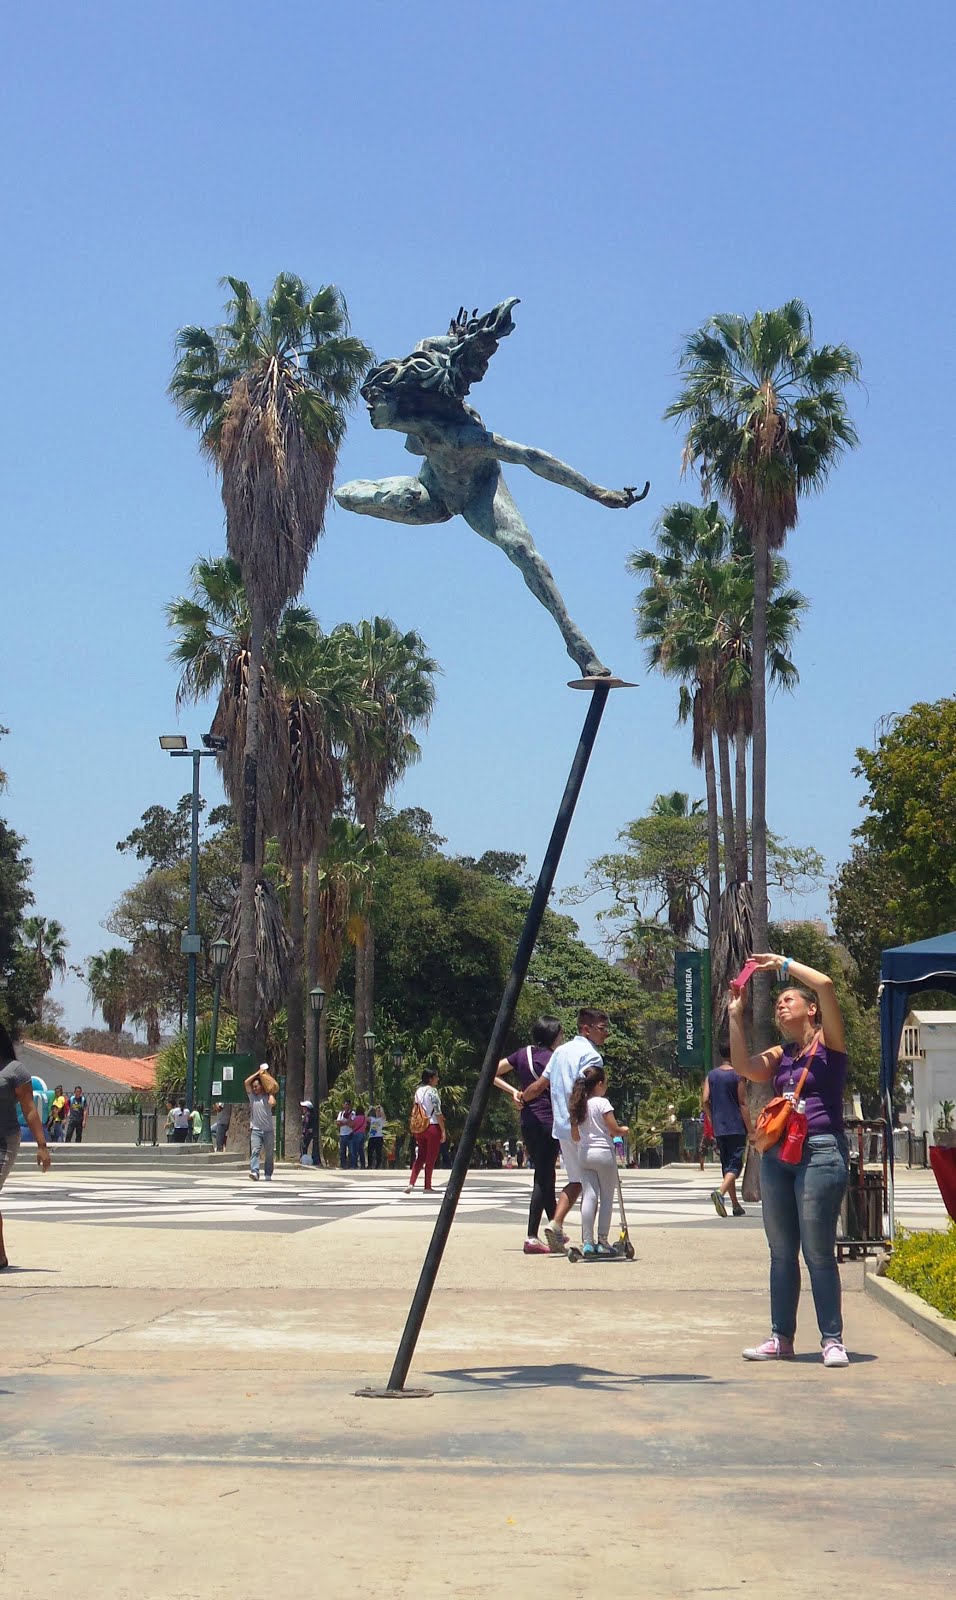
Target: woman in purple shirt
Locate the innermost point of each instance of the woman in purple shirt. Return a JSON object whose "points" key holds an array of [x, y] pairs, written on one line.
{"points": [[801, 1203], [539, 1141]]}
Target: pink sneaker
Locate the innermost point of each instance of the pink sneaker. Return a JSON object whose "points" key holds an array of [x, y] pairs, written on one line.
{"points": [[776, 1348], [534, 1247], [834, 1354]]}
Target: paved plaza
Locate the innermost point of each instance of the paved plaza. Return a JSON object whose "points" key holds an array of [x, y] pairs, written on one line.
{"points": [[178, 1383]]}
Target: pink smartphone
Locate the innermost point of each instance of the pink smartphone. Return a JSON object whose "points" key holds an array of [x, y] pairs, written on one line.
{"points": [[744, 975]]}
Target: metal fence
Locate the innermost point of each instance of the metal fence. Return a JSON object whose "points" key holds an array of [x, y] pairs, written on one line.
{"points": [[910, 1147]]}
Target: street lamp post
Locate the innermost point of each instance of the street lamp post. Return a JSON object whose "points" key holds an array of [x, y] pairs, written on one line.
{"points": [[369, 1039], [175, 744], [219, 954], [316, 1001]]}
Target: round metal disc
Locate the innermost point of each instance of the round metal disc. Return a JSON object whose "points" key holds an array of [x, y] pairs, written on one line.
{"points": [[394, 1394], [600, 683]]}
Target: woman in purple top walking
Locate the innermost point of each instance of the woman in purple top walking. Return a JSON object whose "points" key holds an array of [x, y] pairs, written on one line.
{"points": [[539, 1141], [801, 1203]]}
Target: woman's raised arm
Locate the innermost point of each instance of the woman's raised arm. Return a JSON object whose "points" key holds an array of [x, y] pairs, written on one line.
{"points": [[548, 466]]}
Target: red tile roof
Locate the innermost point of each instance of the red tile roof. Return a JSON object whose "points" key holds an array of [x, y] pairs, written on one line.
{"points": [[138, 1073]]}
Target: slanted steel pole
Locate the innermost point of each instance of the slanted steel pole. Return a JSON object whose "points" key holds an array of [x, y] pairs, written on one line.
{"points": [[509, 1000]]}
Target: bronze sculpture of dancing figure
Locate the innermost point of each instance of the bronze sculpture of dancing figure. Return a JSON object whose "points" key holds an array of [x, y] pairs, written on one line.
{"points": [[423, 396]]}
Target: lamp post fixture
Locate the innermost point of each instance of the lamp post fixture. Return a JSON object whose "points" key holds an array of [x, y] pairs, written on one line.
{"points": [[219, 956], [369, 1039], [176, 744], [316, 1003]]}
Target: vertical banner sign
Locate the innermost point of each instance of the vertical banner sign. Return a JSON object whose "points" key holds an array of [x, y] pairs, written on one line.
{"points": [[692, 978]]}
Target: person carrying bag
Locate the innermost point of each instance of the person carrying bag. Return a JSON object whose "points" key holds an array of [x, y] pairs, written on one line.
{"points": [[805, 1161]]}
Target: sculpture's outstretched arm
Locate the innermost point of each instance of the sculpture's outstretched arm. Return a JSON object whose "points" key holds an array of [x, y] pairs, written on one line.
{"points": [[523, 455]]}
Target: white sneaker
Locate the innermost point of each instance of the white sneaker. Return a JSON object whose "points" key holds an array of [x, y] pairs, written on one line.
{"points": [[834, 1355]]}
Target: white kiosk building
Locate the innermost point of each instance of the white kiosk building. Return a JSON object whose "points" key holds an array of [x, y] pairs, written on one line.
{"points": [[928, 1058]]}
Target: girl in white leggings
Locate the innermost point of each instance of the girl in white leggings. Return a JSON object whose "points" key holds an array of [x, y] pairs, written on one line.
{"points": [[593, 1126]]}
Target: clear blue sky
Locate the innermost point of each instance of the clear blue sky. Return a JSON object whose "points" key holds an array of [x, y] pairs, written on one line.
{"points": [[626, 170]]}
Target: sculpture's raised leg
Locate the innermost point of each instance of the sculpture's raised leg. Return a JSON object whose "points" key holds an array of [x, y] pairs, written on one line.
{"points": [[494, 515], [395, 499]]}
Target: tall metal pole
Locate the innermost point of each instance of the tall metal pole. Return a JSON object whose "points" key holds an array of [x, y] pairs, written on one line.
{"points": [[503, 1021], [213, 1039], [193, 931]]}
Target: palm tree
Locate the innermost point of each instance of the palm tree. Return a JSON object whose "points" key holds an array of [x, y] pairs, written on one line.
{"points": [[674, 614], [47, 942], [268, 391], [108, 981], [697, 616], [767, 420], [395, 677], [339, 897], [212, 632], [317, 690]]}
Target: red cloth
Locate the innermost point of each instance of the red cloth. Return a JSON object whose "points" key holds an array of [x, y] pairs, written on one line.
{"points": [[943, 1163]]}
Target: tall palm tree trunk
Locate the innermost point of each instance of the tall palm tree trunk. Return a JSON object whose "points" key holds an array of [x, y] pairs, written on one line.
{"points": [[742, 868], [727, 803], [246, 999], [312, 969], [713, 875], [713, 841], [758, 1093], [295, 1018], [763, 1032], [364, 1001]]}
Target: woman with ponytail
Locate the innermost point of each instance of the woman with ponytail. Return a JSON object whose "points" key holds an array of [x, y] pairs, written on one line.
{"points": [[593, 1127]]}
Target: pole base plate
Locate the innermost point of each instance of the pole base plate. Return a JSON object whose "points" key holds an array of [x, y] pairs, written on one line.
{"points": [[394, 1394], [600, 683]]}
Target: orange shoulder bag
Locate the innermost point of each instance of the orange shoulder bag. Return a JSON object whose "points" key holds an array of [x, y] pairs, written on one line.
{"points": [[772, 1121]]}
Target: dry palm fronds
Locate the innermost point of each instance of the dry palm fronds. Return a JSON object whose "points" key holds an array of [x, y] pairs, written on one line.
{"points": [[276, 481], [273, 953]]}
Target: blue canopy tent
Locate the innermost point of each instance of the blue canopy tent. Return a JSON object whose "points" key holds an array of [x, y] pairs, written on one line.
{"points": [[904, 971]]}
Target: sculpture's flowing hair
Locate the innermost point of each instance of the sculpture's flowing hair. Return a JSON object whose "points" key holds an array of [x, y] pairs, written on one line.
{"points": [[440, 371]]}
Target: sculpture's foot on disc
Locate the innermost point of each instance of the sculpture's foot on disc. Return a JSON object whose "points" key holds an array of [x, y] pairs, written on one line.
{"points": [[600, 680]]}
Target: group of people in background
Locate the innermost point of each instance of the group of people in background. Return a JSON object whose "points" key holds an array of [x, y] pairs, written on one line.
{"points": [[361, 1135], [67, 1116], [184, 1126]]}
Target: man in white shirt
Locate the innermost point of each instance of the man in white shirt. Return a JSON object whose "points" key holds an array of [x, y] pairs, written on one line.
{"points": [[560, 1075]]}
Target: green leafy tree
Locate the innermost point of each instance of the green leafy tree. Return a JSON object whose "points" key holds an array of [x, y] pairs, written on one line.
{"points": [[861, 895], [767, 420], [395, 677], [268, 391], [910, 826], [21, 981], [151, 914]]}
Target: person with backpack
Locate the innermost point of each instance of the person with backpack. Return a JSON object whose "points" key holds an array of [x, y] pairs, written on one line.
{"points": [[427, 1127]]}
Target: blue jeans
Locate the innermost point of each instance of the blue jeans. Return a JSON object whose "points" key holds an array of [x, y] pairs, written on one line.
{"points": [[345, 1148], [262, 1144], [801, 1208], [357, 1150]]}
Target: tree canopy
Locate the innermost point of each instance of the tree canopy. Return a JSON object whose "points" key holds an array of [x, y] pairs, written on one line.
{"points": [[909, 831]]}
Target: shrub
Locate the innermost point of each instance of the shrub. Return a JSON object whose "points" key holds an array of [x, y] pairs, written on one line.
{"points": [[925, 1263]]}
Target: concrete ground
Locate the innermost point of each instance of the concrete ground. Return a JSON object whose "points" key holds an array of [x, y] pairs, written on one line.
{"points": [[178, 1420]]}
